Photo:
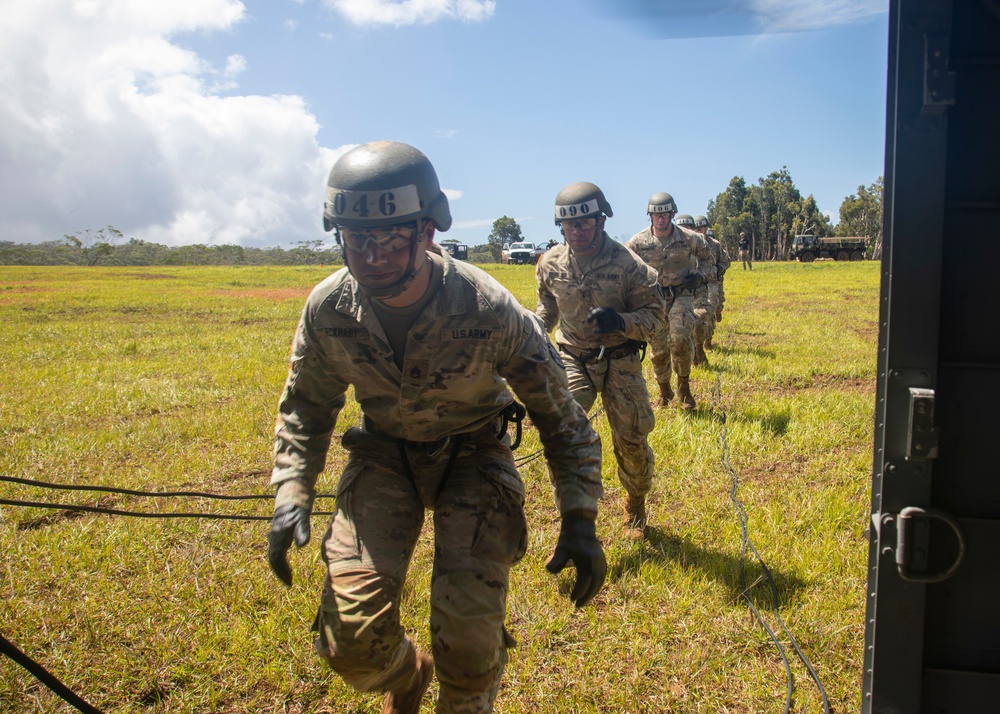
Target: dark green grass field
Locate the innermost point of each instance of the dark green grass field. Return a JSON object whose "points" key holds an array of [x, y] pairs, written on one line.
{"points": [[167, 379]]}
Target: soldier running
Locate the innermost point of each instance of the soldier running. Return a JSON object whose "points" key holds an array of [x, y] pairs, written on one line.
{"points": [[605, 304]]}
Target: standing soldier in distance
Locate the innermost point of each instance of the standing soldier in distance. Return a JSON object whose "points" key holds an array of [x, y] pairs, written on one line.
{"points": [[746, 254], [429, 345], [605, 304], [721, 264], [678, 255], [704, 311]]}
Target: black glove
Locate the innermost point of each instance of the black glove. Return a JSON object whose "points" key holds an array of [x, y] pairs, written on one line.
{"points": [[721, 269], [605, 320], [578, 542], [289, 522], [693, 281]]}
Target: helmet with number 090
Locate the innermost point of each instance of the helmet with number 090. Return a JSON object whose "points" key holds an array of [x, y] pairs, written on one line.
{"points": [[581, 200], [685, 219], [661, 203], [384, 183]]}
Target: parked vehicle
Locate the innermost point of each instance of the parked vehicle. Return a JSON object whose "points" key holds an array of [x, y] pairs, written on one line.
{"points": [[523, 254], [807, 248], [457, 250]]}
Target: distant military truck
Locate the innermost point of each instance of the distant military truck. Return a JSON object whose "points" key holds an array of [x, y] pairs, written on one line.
{"points": [[457, 250], [807, 248]]}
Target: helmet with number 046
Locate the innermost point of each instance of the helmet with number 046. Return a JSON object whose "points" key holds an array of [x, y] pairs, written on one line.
{"points": [[384, 183], [661, 203], [700, 222], [685, 220], [581, 200]]}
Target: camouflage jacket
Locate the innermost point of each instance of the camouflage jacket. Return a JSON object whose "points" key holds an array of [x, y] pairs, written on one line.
{"points": [[616, 278], [683, 253], [471, 342], [720, 258]]}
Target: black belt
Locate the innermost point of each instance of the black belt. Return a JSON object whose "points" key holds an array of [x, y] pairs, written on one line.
{"points": [[672, 291], [593, 356], [513, 412]]}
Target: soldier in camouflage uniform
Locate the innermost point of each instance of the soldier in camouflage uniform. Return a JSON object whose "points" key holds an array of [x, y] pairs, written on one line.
{"points": [[713, 288], [680, 257], [721, 267], [607, 304], [746, 251], [431, 347], [704, 311]]}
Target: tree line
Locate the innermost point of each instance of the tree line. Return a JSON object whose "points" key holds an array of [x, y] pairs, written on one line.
{"points": [[107, 246], [771, 212]]}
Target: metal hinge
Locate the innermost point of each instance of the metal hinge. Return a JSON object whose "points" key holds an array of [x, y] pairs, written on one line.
{"points": [[912, 545], [922, 436]]}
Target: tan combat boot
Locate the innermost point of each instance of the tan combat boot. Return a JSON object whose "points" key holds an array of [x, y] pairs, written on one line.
{"points": [[407, 700], [634, 520], [684, 394], [699, 355], [666, 394]]}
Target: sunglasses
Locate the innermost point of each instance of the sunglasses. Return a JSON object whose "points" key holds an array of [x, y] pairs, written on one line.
{"points": [[388, 240], [579, 223]]}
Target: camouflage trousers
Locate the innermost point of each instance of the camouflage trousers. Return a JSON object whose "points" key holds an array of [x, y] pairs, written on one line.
{"points": [[673, 347], [704, 313], [630, 416], [720, 303], [479, 532]]}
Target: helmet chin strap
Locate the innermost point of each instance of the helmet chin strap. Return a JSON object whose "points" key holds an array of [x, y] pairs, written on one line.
{"points": [[409, 274], [598, 233], [670, 224]]}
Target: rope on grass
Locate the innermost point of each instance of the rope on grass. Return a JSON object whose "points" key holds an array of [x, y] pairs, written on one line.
{"points": [[10, 650], [154, 494], [747, 544]]}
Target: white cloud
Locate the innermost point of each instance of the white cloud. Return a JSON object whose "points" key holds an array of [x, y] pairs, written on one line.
{"points": [[104, 120], [412, 12], [446, 133], [453, 194], [290, 25], [800, 15]]}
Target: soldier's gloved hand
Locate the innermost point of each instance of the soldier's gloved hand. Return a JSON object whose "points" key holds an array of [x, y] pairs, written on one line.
{"points": [[292, 509], [605, 320], [720, 269], [693, 281], [289, 523], [578, 542]]}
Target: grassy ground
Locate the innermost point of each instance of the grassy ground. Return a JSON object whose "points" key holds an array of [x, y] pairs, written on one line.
{"points": [[167, 379]]}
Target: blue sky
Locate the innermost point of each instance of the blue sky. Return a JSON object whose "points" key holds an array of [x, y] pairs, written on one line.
{"points": [[217, 121]]}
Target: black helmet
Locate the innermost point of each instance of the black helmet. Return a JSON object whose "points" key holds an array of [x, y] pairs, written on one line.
{"points": [[661, 203], [580, 200], [684, 220], [384, 183]]}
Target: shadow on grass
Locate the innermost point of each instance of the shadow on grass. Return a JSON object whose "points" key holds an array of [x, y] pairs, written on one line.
{"points": [[661, 547], [775, 421]]}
